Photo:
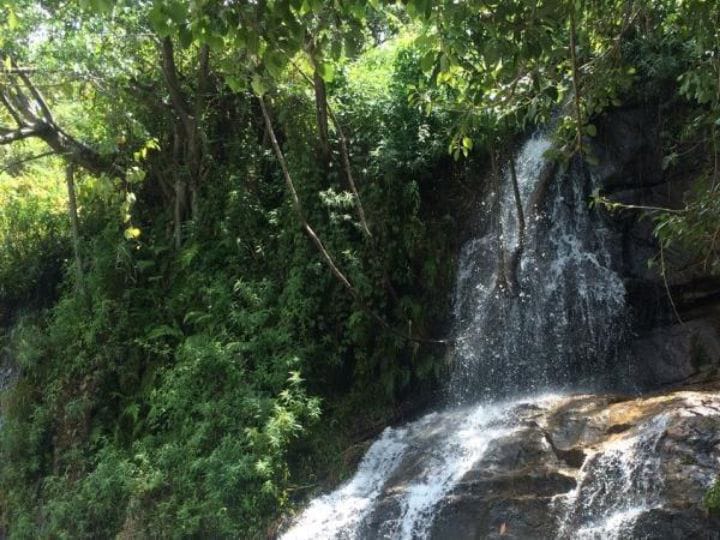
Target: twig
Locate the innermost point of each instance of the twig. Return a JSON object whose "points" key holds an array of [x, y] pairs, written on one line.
{"points": [[665, 281], [25, 160]]}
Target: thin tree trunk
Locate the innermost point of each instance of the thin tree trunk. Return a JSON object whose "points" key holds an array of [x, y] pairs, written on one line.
{"points": [[345, 157], [576, 78], [321, 113], [74, 227], [714, 135], [192, 137], [348, 171], [179, 188], [321, 105], [537, 197], [297, 205], [518, 200], [178, 212], [196, 139]]}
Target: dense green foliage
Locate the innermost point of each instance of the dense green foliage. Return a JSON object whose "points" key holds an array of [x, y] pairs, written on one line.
{"points": [[203, 368]]}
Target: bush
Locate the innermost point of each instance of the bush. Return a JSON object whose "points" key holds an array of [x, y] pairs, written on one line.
{"points": [[33, 241]]}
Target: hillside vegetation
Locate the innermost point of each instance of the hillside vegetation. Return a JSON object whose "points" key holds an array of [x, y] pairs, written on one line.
{"points": [[228, 230]]}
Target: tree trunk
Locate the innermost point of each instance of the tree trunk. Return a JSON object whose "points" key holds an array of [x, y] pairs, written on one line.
{"points": [[348, 172], [576, 78], [74, 228], [321, 107], [178, 212], [322, 117], [190, 136]]}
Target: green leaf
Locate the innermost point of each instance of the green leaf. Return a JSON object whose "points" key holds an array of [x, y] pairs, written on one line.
{"points": [[327, 71], [178, 11], [428, 61], [159, 21], [591, 130], [163, 331], [185, 36], [235, 83], [257, 85], [274, 63], [12, 19]]}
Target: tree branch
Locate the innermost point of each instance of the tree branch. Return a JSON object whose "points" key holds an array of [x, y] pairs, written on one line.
{"points": [[21, 104], [21, 133], [297, 205], [12, 111], [171, 78], [307, 229], [37, 96], [19, 162], [345, 156], [24, 110], [348, 170]]}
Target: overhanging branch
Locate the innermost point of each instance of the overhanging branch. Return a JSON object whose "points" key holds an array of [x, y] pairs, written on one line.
{"points": [[25, 104]]}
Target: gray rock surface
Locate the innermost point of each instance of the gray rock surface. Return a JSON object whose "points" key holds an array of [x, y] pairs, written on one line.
{"points": [[644, 466]]}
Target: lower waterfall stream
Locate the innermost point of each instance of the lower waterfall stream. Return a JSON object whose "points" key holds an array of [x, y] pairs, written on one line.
{"points": [[518, 355]]}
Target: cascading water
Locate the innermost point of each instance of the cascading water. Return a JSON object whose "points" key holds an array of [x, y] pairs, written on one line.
{"points": [[566, 308], [554, 323], [616, 485]]}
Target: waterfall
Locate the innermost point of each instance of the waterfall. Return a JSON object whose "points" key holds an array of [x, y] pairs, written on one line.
{"points": [[555, 329], [561, 326]]}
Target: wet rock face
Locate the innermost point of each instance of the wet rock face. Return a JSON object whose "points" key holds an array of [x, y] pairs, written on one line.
{"points": [[662, 524], [660, 351], [670, 354], [646, 465], [508, 492]]}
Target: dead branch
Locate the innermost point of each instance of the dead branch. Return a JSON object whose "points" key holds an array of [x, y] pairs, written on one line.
{"points": [[516, 255], [19, 134]]}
